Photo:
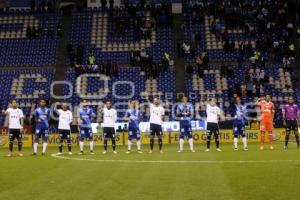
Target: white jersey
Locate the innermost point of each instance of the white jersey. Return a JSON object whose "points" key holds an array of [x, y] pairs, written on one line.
{"points": [[156, 113], [109, 117], [14, 117], [65, 119], [212, 113]]}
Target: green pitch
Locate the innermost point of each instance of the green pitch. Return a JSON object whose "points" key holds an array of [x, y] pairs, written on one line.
{"points": [[226, 175]]}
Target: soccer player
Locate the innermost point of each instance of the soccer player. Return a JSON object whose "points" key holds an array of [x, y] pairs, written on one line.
{"points": [[157, 113], [291, 114], [109, 121], [213, 112], [64, 128], [42, 115], [267, 109], [15, 126], [133, 117], [85, 114], [185, 112], [239, 123]]}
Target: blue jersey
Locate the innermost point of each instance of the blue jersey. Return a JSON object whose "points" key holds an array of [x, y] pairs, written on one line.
{"points": [[42, 116], [134, 116], [185, 111], [239, 112], [85, 115]]}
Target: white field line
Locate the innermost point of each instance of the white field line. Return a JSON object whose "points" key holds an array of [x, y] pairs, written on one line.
{"points": [[177, 161]]}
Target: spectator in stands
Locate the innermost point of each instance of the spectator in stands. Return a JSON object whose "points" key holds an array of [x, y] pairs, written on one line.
{"points": [[50, 33], [108, 67], [257, 86], [43, 6], [249, 88], [111, 4], [200, 66], [33, 32], [205, 59], [28, 32], [189, 69], [132, 57], [79, 55], [186, 49], [286, 62], [59, 30], [115, 69], [32, 6], [69, 47], [39, 32], [92, 59], [262, 76], [50, 7], [103, 4], [143, 54], [165, 60]]}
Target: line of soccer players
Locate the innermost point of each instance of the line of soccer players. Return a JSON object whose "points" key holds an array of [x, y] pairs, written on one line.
{"points": [[184, 112]]}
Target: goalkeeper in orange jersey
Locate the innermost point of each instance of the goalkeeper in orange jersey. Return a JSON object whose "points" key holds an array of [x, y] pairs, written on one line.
{"points": [[267, 110]]}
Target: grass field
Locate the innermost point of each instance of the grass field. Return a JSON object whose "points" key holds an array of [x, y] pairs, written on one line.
{"points": [[226, 175]]}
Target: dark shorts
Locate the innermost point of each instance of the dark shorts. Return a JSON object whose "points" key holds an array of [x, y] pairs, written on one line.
{"points": [[41, 132], [155, 129], [64, 134], [212, 128], [14, 134], [185, 129], [238, 128], [85, 133], [134, 134], [291, 125], [109, 133]]}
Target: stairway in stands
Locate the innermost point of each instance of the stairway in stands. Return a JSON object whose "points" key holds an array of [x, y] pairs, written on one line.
{"points": [[178, 61], [62, 56]]}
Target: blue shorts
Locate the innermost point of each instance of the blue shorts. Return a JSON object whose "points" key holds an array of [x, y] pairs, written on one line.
{"points": [[238, 128], [134, 134], [85, 133], [185, 130], [41, 132]]}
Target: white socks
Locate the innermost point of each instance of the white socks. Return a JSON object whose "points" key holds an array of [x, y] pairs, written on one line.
{"points": [[235, 142], [45, 147], [91, 146], [35, 146], [81, 144], [191, 144], [129, 145], [138, 144], [181, 142], [244, 139]]}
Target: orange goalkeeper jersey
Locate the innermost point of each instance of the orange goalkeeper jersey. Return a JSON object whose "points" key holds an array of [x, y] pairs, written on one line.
{"points": [[267, 110]]}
